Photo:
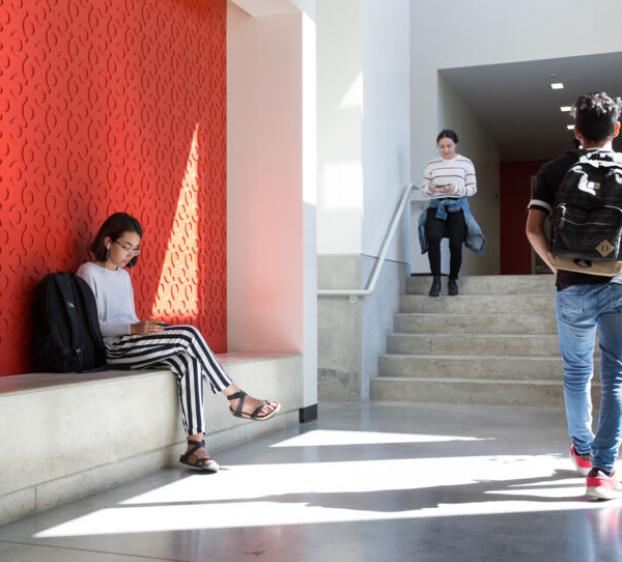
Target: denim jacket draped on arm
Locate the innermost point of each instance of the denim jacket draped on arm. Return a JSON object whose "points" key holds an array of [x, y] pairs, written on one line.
{"points": [[474, 241]]}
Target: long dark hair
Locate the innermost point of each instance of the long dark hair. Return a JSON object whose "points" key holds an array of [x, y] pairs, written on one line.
{"points": [[114, 227]]}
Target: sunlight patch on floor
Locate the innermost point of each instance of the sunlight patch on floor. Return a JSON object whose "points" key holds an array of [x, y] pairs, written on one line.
{"points": [[331, 437], [347, 491]]}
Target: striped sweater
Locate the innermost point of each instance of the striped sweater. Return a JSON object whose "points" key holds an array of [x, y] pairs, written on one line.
{"points": [[459, 172]]}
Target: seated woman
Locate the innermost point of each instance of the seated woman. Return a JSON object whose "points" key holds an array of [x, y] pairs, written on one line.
{"points": [[139, 344]]}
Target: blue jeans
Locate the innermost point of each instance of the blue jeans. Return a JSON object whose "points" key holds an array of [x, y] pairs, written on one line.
{"points": [[580, 310]]}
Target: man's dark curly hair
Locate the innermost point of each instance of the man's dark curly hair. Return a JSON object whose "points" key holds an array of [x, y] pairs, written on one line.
{"points": [[596, 115]]}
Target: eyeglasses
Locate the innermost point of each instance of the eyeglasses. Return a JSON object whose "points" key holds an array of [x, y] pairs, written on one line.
{"points": [[127, 247]]}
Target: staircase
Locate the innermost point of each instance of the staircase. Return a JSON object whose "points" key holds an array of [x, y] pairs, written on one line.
{"points": [[496, 343]]}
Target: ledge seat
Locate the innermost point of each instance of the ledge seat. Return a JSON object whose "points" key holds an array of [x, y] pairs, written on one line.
{"points": [[69, 435]]}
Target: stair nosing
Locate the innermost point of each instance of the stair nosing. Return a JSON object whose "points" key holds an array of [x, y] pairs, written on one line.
{"points": [[471, 357], [467, 295], [466, 334], [476, 314], [526, 382]]}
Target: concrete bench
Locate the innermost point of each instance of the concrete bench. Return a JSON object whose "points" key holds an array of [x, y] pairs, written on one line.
{"points": [[69, 435]]}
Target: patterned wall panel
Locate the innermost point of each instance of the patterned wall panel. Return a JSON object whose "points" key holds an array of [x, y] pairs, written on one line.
{"points": [[110, 105]]}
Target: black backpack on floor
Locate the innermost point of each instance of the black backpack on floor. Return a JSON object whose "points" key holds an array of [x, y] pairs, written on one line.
{"points": [[66, 329], [587, 218]]}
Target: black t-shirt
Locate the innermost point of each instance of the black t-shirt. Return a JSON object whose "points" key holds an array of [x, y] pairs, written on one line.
{"points": [[547, 184]]}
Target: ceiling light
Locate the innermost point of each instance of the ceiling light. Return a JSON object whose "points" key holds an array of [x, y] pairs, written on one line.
{"points": [[570, 127], [566, 108], [557, 85]]}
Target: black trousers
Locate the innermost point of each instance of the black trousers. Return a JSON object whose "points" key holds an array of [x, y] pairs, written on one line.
{"points": [[454, 228]]}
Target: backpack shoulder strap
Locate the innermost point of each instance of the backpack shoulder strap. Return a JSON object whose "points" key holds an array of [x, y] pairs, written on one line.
{"points": [[90, 309], [62, 282]]}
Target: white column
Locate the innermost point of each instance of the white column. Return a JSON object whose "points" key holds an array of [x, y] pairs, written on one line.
{"points": [[271, 182]]}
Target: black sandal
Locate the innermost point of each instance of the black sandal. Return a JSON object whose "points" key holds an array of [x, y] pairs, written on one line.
{"points": [[239, 413], [201, 464]]}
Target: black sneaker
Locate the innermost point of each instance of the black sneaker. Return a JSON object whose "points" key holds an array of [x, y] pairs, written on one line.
{"points": [[452, 288], [435, 289]]}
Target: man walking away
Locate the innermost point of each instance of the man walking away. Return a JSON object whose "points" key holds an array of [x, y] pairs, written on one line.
{"points": [[586, 303]]}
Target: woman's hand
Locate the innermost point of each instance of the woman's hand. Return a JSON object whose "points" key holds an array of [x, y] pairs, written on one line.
{"points": [[146, 328], [447, 188]]}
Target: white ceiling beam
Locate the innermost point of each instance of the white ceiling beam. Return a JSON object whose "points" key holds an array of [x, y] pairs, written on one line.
{"points": [[259, 8]]}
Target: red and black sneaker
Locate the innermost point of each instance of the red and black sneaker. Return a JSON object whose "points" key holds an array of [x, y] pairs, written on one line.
{"points": [[582, 463], [602, 485]]}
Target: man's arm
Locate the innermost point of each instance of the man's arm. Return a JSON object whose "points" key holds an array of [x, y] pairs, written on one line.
{"points": [[534, 230]]}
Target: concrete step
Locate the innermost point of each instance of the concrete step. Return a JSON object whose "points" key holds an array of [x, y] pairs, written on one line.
{"points": [[479, 304], [488, 285], [472, 367], [469, 391], [496, 343], [473, 344], [534, 323]]}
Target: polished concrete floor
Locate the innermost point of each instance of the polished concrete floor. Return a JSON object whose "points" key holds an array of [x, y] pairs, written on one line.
{"points": [[367, 482]]}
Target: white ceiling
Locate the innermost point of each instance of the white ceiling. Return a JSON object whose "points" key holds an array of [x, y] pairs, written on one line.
{"points": [[517, 106]]}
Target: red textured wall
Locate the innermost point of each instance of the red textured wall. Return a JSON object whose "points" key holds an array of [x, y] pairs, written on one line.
{"points": [[515, 190], [106, 106]]}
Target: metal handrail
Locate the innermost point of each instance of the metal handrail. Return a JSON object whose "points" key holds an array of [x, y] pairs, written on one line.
{"points": [[354, 294]]}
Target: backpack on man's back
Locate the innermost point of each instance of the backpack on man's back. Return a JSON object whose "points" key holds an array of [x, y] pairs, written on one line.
{"points": [[587, 217], [66, 333]]}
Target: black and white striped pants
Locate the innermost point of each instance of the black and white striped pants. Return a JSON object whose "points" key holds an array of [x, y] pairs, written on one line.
{"points": [[183, 350]]}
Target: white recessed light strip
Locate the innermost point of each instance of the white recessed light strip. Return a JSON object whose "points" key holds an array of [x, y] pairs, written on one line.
{"points": [[566, 108], [557, 85], [570, 127]]}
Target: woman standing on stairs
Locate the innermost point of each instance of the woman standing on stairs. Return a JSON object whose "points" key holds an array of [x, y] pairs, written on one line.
{"points": [[132, 343], [448, 181]]}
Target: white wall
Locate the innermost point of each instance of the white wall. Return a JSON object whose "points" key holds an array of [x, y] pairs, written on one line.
{"points": [[363, 121], [339, 116], [493, 32], [385, 34]]}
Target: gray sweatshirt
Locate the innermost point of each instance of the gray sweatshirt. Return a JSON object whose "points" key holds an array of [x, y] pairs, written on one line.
{"points": [[114, 296]]}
